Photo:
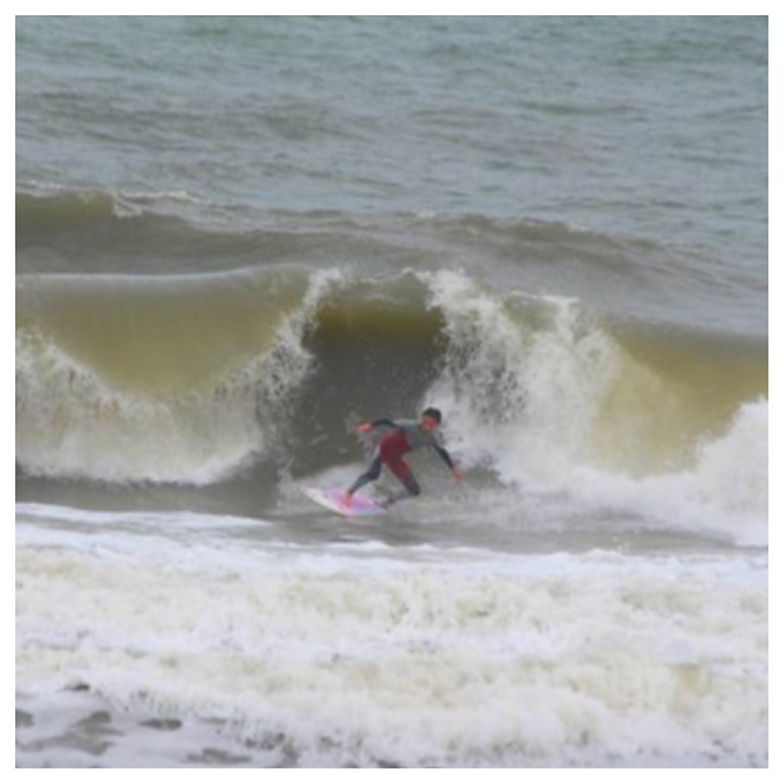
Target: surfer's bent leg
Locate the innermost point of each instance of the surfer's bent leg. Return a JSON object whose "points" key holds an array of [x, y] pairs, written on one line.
{"points": [[391, 451], [401, 470], [373, 473], [412, 488]]}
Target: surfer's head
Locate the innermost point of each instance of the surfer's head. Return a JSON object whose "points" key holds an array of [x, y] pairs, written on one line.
{"points": [[430, 420]]}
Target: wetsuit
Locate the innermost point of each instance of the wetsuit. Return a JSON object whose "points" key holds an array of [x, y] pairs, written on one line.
{"points": [[401, 437]]}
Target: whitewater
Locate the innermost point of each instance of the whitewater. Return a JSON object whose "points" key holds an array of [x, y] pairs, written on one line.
{"points": [[373, 654]]}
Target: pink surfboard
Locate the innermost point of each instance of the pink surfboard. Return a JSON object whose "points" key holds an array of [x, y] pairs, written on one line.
{"points": [[332, 500]]}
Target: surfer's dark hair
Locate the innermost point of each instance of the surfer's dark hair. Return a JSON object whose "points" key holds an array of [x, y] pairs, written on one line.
{"points": [[433, 413]]}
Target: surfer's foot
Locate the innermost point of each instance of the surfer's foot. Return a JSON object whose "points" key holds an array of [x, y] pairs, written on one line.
{"points": [[345, 499]]}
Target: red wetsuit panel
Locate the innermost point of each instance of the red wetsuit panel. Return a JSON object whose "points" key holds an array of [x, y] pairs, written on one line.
{"points": [[391, 449]]}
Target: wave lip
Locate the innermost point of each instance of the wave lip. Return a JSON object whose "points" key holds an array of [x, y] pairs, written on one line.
{"points": [[166, 380]]}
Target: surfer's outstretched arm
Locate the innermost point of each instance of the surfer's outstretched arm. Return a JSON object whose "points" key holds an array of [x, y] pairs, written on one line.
{"points": [[447, 458], [369, 427], [444, 455]]}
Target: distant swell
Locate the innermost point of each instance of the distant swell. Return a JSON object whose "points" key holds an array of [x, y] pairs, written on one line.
{"points": [[76, 232]]}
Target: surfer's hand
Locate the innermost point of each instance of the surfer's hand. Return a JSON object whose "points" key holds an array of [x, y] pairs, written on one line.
{"points": [[364, 428], [458, 474]]}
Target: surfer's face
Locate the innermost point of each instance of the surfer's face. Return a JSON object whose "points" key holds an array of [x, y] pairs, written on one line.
{"points": [[428, 424]]}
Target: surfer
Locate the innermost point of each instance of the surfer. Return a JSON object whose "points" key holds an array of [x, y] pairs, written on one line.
{"points": [[399, 438]]}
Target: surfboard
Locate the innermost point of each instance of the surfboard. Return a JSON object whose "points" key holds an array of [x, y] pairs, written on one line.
{"points": [[331, 499]]}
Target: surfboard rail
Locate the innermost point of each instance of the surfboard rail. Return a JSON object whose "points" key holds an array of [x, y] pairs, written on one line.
{"points": [[332, 500]]}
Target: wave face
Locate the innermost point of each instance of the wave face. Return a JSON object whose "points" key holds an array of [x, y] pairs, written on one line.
{"points": [[166, 380], [196, 379], [165, 342]]}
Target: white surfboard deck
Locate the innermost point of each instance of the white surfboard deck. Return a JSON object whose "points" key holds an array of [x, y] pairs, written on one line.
{"points": [[332, 500]]}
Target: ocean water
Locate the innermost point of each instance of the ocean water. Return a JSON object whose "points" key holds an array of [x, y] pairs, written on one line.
{"points": [[238, 237]]}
